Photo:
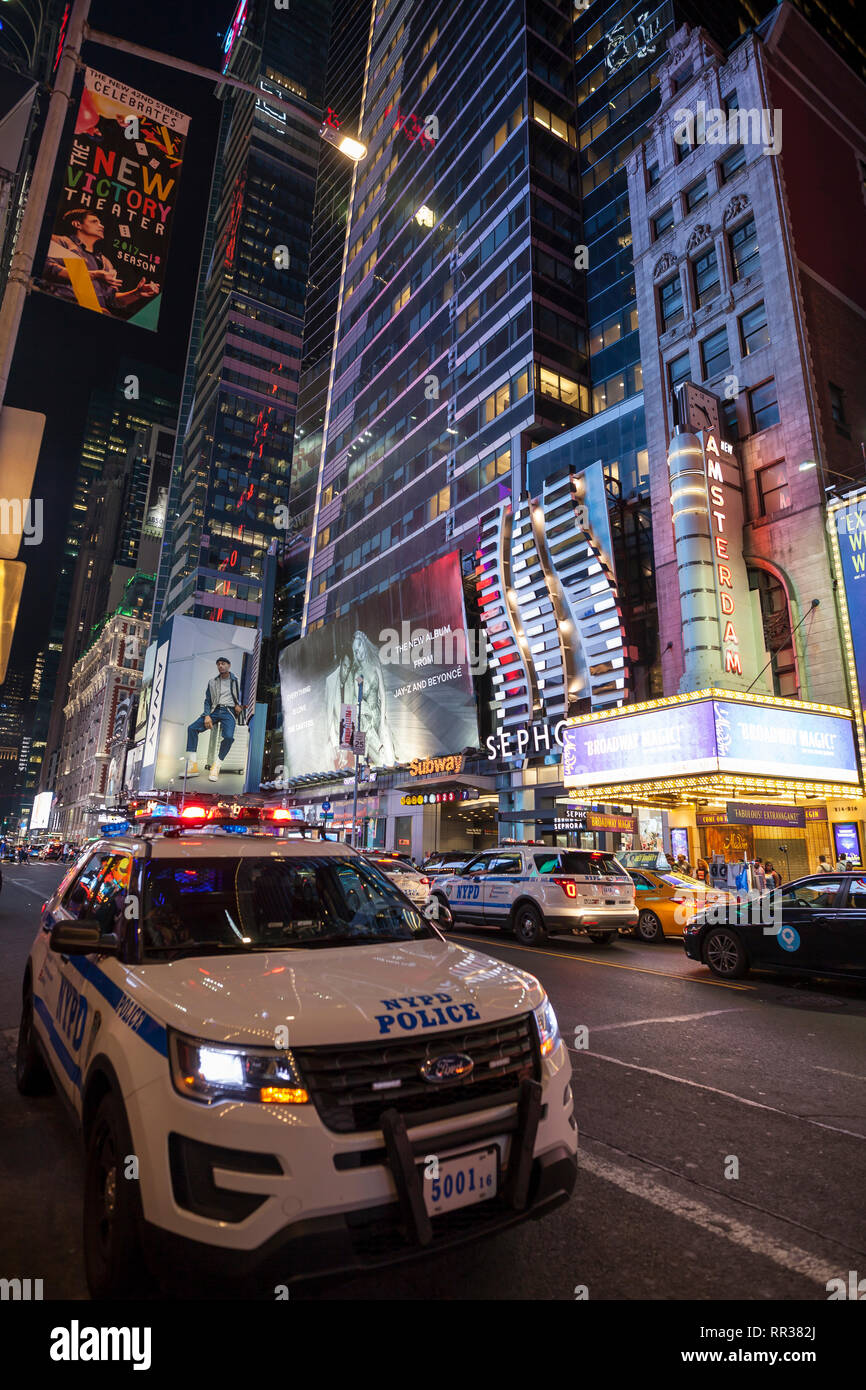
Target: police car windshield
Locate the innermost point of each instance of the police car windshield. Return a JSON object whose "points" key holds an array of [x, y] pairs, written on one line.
{"points": [[249, 903]]}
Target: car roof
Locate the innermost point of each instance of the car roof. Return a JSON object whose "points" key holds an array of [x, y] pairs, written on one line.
{"points": [[192, 846]]}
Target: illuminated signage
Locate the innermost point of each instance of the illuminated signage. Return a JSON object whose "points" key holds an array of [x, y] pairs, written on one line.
{"points": [[722, 557], [436, 798], [233, 32], [516, 743], [425, 767], [710, 735], [622, 47], [849, 525], [847, 839]]}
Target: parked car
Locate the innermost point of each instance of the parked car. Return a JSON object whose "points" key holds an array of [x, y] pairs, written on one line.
{"points": [[408, 879], [447, 861], [819, 929], [244, 1031], [666, 902], [531, 891]]}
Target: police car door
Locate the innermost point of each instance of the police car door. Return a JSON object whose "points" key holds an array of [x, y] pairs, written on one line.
{"points": [[501, 884], [60, 1006]]}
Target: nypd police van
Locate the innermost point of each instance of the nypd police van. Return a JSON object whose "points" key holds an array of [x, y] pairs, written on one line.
{"points": [[281, 1068], [532, 891]]}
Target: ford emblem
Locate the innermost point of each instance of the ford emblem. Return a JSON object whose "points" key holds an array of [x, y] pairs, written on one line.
{"points": [[453, 1066]]}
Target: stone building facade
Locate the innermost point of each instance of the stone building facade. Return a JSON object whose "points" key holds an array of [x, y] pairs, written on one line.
{"points": [[750, 284]]}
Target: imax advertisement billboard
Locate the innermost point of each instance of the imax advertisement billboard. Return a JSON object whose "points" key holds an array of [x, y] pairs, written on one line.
{"points": [[202, 699], [711, 736], [408, 646]]}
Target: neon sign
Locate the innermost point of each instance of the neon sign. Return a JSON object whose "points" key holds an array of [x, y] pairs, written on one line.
{"points": [[233, 32], [721, 553]]}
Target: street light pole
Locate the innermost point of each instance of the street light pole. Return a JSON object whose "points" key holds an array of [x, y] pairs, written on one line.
{"points": [[357, 764], [21, 266]]}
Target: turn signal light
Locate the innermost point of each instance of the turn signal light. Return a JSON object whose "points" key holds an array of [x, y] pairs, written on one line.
{"points": [[568, 888], [284, 1095]]}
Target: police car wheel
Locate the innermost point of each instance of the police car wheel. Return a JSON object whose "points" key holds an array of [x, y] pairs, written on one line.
{"points": [[528, 926], [32, 1076], [112, 1251], [724, 954], [649, 928], [445, 920]]}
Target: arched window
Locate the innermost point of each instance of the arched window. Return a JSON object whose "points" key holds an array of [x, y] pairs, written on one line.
{"points": [[776, 617]]}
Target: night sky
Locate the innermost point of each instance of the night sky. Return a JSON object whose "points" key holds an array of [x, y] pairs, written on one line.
{"points": [[65, 351]]}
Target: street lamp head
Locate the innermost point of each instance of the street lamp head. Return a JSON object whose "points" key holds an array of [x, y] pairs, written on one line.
{"points": [[353, 149]]}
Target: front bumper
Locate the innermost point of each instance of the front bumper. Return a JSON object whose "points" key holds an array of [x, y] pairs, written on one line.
{"points": [[352, 1242], [233, 1190]]}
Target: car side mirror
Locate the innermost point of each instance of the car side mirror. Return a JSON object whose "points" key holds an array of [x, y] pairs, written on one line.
{"points": [[83, 938]]}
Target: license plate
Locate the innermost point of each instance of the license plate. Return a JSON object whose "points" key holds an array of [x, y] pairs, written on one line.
{"points": [[462, 1181]]}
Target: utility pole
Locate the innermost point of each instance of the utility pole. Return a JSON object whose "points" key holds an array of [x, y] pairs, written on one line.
{"points": [[357, 764], [21, 266]]}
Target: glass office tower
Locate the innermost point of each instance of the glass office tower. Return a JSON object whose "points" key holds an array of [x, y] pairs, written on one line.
{"points": [[233, 461], [461, 338]]}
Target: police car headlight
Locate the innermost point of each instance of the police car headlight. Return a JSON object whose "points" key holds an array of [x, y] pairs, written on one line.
{"points": [[209, 1072], [548, 1028]]}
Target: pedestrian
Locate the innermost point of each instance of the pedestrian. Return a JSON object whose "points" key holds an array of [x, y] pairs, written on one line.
{"points": [[760, 876], [823, 864], [842, 866], [774, 878], [702, 871]]}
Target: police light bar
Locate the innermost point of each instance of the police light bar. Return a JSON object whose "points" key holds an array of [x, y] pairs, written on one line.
{"points": [[194, 813]]}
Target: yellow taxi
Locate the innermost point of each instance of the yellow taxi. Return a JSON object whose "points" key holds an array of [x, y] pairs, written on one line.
{"points": [[666, 901]]}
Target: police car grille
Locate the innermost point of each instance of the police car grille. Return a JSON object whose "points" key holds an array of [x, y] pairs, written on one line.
{"points": [[341, 1080]]}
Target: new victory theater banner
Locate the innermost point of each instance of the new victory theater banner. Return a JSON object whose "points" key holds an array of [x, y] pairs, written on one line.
{"points": [[111, 233]]}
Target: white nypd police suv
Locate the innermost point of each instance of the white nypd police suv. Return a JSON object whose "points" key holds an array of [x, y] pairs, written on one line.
{"points": [[279, 1066]]}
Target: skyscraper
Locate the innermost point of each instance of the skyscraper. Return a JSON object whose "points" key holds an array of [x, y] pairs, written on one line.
{"points": [[120, 453], [233, 456], [462, 335]]}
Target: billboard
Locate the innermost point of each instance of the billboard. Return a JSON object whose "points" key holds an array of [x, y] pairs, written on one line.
{"points": [[202, 696], [705, 736], [409, 647], [850, 526], [110, 238], [41, 813]]}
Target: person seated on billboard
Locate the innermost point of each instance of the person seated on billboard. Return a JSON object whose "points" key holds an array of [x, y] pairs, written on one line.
{"points": [[222, 706], [85, 230]]}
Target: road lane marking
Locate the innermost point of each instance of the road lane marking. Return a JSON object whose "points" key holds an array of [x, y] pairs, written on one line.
{"points": [[674, 1018], [756, 1242], [608, 964], [852, 1074], [716, 1091]]}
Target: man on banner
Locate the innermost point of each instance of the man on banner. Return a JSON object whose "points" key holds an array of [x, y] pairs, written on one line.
{"points": [[78, 273]]}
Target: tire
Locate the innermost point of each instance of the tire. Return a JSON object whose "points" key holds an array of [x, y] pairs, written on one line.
{"points": [[725, 955], [444, 903], [113, 1259], [32, 1076], [602, 938], [527, 925], [649, 927]]}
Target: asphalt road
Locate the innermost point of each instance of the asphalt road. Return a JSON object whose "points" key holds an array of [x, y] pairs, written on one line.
{"points": [[680, 1081]]}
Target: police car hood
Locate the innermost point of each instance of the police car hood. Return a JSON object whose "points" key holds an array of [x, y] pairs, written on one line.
{"points": [[334, 994]]}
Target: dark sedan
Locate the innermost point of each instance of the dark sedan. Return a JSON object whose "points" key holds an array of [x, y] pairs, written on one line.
{"points": [[815, 926]]}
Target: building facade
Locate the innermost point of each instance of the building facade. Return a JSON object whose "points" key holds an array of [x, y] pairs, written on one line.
{"points": [[233, 458], [738, 294], [125, 452], [103, 682]]}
